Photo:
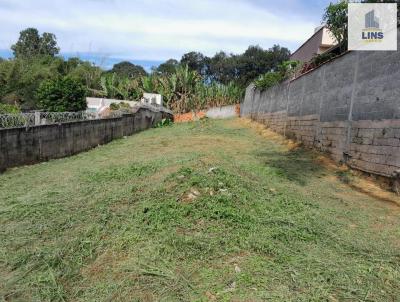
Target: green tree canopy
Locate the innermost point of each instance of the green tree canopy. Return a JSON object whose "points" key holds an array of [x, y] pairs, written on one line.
{"points": [[242, 69], [256, 61], [83, 71], [62, 94], [336, 19], [30, 44], [22, 77], [127, 69], [195, 61], [167, 68], [222, 68]]}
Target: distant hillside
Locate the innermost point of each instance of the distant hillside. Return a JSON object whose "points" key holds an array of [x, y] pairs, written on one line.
{"points": [[104, 61]]}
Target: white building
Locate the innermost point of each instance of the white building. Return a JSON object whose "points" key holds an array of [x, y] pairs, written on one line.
{"points": [[152, 99]]}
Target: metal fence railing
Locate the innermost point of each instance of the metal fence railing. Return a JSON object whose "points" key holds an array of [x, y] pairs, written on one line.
{"points": [[47, 118], [17, 120]]}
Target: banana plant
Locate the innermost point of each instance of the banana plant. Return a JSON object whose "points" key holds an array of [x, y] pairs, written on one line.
{"points": [[182, 91]]}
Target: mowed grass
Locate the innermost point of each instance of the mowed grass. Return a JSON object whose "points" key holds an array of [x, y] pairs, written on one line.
{"points": [[205, 211]]}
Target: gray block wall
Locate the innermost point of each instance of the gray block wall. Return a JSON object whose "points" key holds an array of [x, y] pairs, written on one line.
{"points": [[349, 108], [22, 146]]}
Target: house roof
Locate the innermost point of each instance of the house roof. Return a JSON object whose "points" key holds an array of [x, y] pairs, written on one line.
{"points": [[315, 33]]}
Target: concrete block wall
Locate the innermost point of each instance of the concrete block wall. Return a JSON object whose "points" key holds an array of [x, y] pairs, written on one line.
{"points": [[303, 128], [375, 147], [275, 120], [332, 138], [348, 108], [22, 146]]}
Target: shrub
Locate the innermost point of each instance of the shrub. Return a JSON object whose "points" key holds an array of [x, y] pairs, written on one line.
{"points": [[6, 109], [290, 68], [322, 58], [120, 106], [268, 80], [114, 106], [62, 94], [166, 122], [124, 105]]}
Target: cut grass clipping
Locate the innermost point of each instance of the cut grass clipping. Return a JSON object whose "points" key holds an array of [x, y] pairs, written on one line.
{"points": [[204, 211]]}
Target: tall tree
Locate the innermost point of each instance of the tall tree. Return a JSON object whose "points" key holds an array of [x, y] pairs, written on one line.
{"points": [[256, 61], [167, 68], [31, 44], [336, 19], [62, 94], [48, 45], [222, 68], [195, 61], [127, 69]]}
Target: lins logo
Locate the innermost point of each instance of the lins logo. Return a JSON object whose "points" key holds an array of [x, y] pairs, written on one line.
{"points": [[372, 26], [372, 33]]}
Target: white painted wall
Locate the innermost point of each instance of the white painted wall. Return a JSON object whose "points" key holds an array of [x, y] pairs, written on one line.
{"points": [[222, 112]]}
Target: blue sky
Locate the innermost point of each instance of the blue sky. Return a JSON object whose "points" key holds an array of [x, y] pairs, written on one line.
{"points": [[150, 31]]}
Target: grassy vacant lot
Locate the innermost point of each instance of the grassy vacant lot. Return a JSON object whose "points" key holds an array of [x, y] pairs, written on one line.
{"points": [[206, 211]]}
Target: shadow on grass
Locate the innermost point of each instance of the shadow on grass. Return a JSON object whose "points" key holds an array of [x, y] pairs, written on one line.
{"points": [[297, 165]]}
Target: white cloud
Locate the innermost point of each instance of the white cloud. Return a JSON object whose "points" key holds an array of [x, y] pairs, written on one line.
{"points": [[152, 29]]}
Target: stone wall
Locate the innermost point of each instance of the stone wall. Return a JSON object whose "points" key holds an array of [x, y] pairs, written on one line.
{"points": [[22, 146], [349, 108]]}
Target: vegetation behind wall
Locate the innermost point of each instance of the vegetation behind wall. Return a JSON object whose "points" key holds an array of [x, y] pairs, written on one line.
{"points": [[37, 78]]}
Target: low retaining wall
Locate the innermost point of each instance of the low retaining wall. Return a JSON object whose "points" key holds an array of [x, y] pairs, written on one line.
{"points": [[349, 108], [22, 146], [222, 112]]}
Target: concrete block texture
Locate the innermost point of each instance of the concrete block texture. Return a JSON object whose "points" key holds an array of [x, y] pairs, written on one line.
{"points": [[348, 107], [23, 146]]}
